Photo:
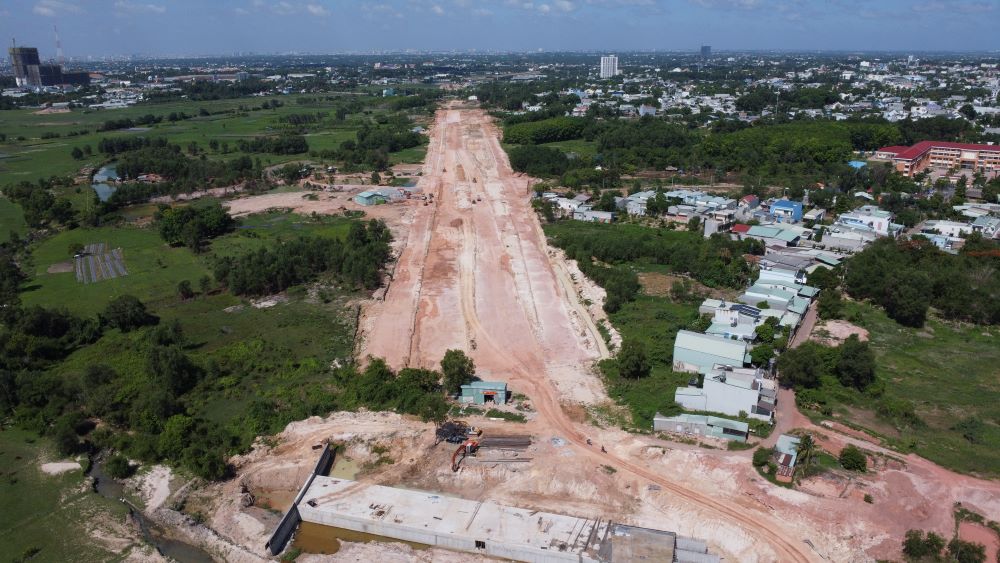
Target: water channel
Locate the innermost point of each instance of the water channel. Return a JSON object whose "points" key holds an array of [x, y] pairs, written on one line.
{"points": [[177, 550], [108, 172]]}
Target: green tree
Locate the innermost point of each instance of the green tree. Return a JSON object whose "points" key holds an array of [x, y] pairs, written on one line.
{"points": [[184, 289], [801, 367], [966, 552], [64, 434], [176, 436], [830, 305], [376, 178], [968, 111], [458, 369], [761, 354], [205, 284], [694, 223], [762, 455], [805, 450], [76, 153], [916, 546], [632, 360], [118, 467], [856, 365], [127, 313], [853, 459]]}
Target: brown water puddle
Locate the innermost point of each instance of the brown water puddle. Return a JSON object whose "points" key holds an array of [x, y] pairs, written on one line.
{"points": [[320, 539]]}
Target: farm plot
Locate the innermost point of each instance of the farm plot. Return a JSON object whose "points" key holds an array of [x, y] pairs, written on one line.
{"points": [[97, 263]]}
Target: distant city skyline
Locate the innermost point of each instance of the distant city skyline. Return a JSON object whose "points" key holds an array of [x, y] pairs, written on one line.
{"points": [[193, 27]]}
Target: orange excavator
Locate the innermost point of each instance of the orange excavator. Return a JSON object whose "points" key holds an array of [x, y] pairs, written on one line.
{"points": [[469, 447]]}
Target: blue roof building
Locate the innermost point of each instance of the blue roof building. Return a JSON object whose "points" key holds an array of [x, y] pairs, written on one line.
{"points": [[482, 392], [787, 211], [369, 198]]}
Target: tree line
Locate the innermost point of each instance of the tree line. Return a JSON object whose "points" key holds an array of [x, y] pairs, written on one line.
{"points": [[357, 261], [606, 253], [906, 277], [281, 144], [191, 226], [374, 143]]}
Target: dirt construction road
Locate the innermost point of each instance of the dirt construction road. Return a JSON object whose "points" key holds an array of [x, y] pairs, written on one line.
{"points": [[475, 275]]}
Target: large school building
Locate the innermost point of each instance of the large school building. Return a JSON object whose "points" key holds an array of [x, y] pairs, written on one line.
{"points": [[941, 154]]}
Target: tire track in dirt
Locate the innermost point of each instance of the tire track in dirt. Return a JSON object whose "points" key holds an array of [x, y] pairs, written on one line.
{"points": [[525, 366]]}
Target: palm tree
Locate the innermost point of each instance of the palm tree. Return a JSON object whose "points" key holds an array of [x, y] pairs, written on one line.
{"points": [[805, 450]]}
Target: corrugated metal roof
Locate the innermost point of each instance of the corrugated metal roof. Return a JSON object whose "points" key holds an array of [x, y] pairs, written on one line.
{"points": [[722, 347], [487, 385]]}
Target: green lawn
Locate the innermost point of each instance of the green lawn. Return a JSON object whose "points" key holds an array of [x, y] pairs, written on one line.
{"points": [[50, 513], [11, 219], [950, 373]]}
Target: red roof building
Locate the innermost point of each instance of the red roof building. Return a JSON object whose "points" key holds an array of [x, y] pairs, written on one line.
{"points": [[942, 154], [740, 228]]}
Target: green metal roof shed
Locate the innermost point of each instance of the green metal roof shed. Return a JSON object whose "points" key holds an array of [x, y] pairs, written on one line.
{"points": [[481, 392]]}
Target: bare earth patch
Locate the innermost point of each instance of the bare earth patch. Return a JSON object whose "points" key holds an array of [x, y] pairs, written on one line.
{"points": [[60, 467], [60, 268], [970, 531], [833, 333]]}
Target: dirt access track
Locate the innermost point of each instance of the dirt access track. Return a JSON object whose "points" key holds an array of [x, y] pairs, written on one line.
{"points": [[475, 275]]}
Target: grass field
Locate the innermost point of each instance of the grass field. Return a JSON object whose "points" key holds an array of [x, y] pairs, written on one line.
{"points": [[11, 219], [578, 146], [275, 353], [654, 322], [282, 349], [155, 268], [951, 374], [47, 512], [35, 157]]}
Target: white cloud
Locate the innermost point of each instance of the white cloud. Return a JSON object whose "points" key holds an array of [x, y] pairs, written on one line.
{"points": [[437, 9], [53, 8], [564, 5], [317, 10], [285, 8], [128, 7]]}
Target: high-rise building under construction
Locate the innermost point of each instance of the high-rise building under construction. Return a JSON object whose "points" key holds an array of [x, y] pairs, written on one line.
{"points": [[29, 72]]}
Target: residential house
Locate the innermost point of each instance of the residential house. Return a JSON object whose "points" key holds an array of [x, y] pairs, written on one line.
{"points": [[770, 234], [702, 425], [870, 217], [988, 226], [697, 353], [814, 215], [588, 214], [786, 454], [787, 211], [732, 391], [946, 228]]}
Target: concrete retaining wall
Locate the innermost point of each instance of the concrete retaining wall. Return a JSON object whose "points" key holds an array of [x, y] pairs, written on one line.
{"points": [[290, 521], [456, 542]]}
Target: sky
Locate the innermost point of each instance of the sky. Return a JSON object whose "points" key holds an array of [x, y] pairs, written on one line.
{"points": [[205, 27]]}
